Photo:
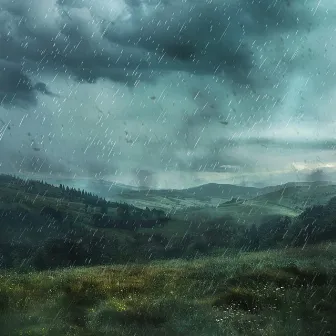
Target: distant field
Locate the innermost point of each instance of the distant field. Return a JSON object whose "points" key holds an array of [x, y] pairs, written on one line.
{"points": [[166, 203], [295, 196], [300, 196], [244, 212]]}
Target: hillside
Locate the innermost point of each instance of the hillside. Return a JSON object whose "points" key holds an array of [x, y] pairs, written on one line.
{"points": [[299, 195], [283, 292], [72, 263], [166, 199], [205, 195], [247, 212], [241, 212], [294, 195], [44, 226]]}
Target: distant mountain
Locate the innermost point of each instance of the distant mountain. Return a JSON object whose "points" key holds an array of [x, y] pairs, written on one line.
{"points": [[314, 184], [299, 194], [215, 190], [110, 189], [295, 195], [208, 194], [44, 226]]}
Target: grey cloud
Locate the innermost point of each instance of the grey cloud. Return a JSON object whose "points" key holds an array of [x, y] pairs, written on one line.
{"points": [[41, 164], [33, 162], [42, 88], [230, 143], [197, 37], [317, 175], [145, 178], [246, 47], [15, 87], [207, 109], [97, 168], [208, 38], [215, 156], [308, 144]]}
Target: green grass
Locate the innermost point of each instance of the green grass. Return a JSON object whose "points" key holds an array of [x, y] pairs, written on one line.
{"points": [[268, 293]]}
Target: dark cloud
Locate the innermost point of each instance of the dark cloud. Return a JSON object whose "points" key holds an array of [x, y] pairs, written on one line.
{"points": [[42, 88], [207, 37], [318, 175], [144, 178], [97, 168], [15, 87], [190, 86], [35, 162], [201, 37]]}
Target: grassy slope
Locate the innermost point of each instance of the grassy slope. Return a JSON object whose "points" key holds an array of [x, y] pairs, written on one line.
{"points": [[166, 203], [29, 238], [15, 197], [246, 211], [267, 293]]}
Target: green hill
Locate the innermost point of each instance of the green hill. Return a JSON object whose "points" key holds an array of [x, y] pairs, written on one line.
{"points": [[299, 196], [283, 292], [43, 226], [243, 212], [72, 263]]}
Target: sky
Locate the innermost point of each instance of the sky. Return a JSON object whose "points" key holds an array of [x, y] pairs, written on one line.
{"points": [[170, 93]]}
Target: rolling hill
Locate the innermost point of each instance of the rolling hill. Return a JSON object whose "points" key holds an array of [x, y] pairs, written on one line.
{"points": [[43, 226], [210, 194], [243, 212], [298, 195], [280, 292], [295, 195]]}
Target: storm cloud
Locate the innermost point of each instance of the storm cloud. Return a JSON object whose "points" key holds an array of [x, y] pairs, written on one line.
{"points": [[317, 175], [143, 88], [15, 86], [138, 40]]}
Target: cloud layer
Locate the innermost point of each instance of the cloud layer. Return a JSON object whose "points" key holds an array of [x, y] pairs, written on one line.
{"points": [[139, 90]]}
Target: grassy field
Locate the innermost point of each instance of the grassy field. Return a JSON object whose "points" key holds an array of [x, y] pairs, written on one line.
{"points": [[283, 292], [250, 211], [166, 203]]}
